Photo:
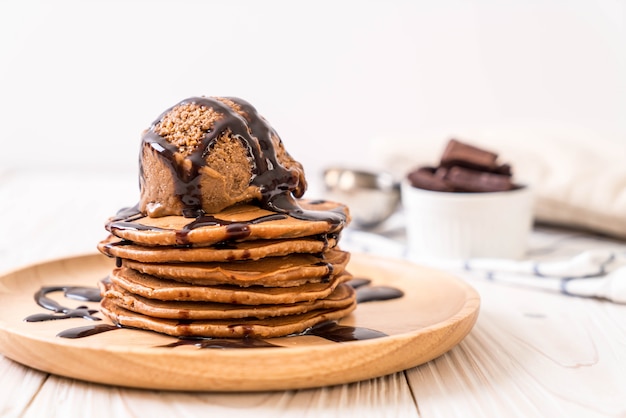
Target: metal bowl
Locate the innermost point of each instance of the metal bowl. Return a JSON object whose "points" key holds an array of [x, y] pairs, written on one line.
{"points": [[372, 197]]}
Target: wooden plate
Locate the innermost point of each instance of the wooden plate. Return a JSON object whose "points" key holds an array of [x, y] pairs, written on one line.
{"points": [[436, 312]]}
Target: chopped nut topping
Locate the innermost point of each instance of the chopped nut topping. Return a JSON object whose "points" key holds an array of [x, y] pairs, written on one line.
{"points": [[228, 102], [185, 125]]}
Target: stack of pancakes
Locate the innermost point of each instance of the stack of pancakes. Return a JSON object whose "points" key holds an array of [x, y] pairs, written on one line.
{"points": [[243, 272]]}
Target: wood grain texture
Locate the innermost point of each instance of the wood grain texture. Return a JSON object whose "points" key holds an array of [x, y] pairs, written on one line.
{"points": [[531, 354], [19, 385], [387, 396], [435, 313]]}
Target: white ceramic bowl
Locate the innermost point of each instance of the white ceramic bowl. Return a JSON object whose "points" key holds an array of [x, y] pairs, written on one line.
{"points": [[445, 225]]}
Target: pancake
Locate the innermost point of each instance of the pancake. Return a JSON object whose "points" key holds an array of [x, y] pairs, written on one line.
{"points": [[342, 297], [221, 243], [236, 223], [248, 250], [152, 287], [224, 328], [284, 271]]}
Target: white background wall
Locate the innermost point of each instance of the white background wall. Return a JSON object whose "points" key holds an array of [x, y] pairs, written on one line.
{"points": [[80, 80]]}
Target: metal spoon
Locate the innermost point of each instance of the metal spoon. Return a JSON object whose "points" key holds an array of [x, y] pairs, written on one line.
{"points": [[372, 197]]}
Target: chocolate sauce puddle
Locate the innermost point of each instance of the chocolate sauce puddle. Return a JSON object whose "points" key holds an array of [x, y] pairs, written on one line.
{"points": [[90, 294], [248, 342], [377, 293], [342, 333], [86, 331], [366, 293]]}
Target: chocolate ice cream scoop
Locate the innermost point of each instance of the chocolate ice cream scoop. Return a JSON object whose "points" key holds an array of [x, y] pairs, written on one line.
{"points": [[205, 154]]}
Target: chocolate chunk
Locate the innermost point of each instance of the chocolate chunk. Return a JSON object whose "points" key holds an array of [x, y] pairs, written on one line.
{"points": [[504, 169], [461, 154], [428, 178], [467, 180], [464, 168]]}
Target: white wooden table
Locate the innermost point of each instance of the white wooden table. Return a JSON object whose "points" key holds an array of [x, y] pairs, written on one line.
{"points": [[530, 354]]}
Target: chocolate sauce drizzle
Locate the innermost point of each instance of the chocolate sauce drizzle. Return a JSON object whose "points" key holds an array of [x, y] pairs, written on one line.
{"points": [[277, 184], [235, 230], [329, 330], [229, 243], [255, 135]]}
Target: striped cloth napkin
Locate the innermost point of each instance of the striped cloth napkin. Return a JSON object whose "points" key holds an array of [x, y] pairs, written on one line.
{"points": [[574, 264]]}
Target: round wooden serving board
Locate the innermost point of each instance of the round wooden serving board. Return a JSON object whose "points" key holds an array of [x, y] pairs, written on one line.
{"points": [[436, 312]]}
